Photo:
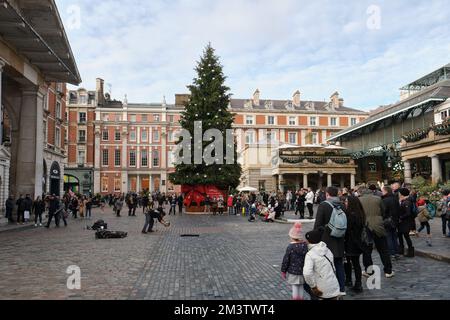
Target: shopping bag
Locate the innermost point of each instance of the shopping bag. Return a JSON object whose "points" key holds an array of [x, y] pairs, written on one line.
{"points": [[26, 215]]}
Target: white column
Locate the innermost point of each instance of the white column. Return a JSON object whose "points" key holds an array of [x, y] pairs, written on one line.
{"points": [[97, 163], [329, 180], [352, 181], [436, 170], [280, 179], [408, 173], [138, 183], [305, 180]]}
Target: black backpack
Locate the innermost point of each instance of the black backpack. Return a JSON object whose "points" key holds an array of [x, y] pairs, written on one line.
{"points": [[99, 224], [105, 234]]}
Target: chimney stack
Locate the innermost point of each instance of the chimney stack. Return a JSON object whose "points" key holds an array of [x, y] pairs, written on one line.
{"points": [[296, 99], [256, 96], [99, 91], [335, 101], [341, 103]]}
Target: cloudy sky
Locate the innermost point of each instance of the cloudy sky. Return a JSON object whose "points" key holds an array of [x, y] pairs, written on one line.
{"points": [[364, 49]]}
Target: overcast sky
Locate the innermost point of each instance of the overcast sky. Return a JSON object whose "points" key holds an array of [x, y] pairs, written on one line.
{"points": [[364, 49]]}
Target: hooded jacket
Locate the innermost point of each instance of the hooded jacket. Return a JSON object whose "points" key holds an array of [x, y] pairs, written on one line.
{"points": [[324, 212], [319, 270]]}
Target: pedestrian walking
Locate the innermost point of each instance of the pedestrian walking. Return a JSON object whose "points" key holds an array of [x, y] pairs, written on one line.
{"points": [[88, 208], [335, 244], [424, 217], [180, 201], [405, 223], [118, 205], [173, 205], [230, 204], [20, 210], [354, 246], [374, 210], [52, 211], [310, 202], [390, 219], [9, 207], [294, 261], [38, 210], [445, 213], [319, 270]]}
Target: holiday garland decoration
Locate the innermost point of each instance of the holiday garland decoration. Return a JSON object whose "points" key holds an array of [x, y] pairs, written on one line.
{"points": [[208, 104]]}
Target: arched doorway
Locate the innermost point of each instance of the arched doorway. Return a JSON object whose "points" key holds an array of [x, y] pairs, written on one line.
{"points": [[55, 179]]}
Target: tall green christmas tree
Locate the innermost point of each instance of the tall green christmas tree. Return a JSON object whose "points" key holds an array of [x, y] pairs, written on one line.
{"points": [[208, 103]]}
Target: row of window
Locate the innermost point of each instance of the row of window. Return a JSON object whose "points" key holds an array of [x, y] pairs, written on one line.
{"points": [[133, 117], [117, 184], [156, 136], [144, 158], [293, 121], [250, 137]]}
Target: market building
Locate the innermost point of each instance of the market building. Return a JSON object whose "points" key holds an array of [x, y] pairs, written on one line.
{"points": [[407, 139], [295, 122], [35, 63]]}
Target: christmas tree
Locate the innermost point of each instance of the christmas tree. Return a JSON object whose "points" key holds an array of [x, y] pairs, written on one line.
{"points": [[208, 104]]}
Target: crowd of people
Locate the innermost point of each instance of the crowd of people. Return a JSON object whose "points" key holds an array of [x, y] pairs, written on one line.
{"points": [[348, 225]]}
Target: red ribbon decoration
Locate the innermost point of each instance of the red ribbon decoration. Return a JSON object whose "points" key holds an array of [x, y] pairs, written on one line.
{"points": [[198, 194]]}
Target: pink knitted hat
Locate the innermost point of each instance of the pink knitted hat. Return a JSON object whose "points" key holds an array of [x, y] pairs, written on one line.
{"points": [[296, 231]]}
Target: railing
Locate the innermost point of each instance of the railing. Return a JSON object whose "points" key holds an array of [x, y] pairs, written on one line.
{"points": [[318, 160], [417, 135]]}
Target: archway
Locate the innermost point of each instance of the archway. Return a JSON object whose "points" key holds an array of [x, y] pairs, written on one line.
{"points": [[55, 179]]}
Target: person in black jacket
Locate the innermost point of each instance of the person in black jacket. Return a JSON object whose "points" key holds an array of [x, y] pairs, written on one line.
{"points": [[52, 211], [9, 206], [405, 217], [354, 246], [336, 245], [300, 204], [390, 218], [38, 209], [20, 210]]}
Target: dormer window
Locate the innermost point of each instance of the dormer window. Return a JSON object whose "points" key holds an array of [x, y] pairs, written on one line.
{"points": [[290, 105], [269, 105], [248, 105]]}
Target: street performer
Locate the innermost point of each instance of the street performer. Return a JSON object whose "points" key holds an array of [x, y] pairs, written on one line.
{"points": [[150, 216]]}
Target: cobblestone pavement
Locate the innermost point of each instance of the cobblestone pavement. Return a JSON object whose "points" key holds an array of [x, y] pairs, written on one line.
{"points": [[231, 259]]}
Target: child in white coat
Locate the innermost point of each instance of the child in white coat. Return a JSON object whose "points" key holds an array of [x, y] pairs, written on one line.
{"points": [[319, 270]]}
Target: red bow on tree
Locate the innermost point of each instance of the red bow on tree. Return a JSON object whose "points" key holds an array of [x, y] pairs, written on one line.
{"points": [[193, 194]]}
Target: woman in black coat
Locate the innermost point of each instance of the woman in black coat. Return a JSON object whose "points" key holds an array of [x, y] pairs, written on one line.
{"points": [[354, 245], [405, 221]]}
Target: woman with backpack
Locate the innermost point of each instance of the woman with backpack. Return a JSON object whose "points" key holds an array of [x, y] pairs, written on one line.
{"points": [[354, 246], [424, 217]]}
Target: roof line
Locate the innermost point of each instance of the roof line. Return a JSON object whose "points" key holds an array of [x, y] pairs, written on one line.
{"points": [[363, 124], [77, 77]]}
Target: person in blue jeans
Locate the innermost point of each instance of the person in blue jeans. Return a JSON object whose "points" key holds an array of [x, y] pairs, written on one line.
{"points": [[390, 218]]}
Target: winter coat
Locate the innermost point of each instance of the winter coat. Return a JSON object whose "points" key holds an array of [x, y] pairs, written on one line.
{"points": [[353, 237], [230, 201], [336, 245], [405, 216], [39, 207], [319, 271], [118, 205], [9, 204], [391, 208], [294, 259], [310, 197], [424, 215], [374, 210]]}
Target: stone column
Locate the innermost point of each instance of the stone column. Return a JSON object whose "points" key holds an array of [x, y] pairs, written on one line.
{"points": [[329, 180], [408, 173], [125, 185], [138, 183], [305, 180], [30, 152], [352, 181], [280, 179], [2, 64], [436, 170]]}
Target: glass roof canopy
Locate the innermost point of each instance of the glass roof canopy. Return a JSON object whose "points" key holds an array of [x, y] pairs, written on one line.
{"points": [[434, 77]]}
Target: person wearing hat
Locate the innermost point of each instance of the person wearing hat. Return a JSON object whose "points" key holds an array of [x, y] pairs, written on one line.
{"points": [[319, 270], [293, 262], [405, 222], [424, 217]]}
